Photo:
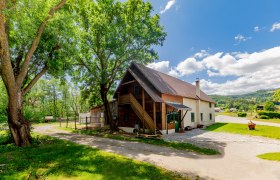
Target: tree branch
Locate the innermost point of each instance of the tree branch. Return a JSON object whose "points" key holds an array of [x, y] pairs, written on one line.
{"points": [[25, 65], [34, 80]]}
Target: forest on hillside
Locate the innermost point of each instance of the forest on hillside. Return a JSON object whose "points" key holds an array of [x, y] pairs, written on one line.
{"points": [[245, 102]]}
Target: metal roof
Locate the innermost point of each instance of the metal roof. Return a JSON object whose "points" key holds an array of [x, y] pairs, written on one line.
{"points": [[166, 84], [179, 106]]}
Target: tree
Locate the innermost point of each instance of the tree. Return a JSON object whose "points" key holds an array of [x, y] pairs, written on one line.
{"points": [[276, 95], [113, 34], [269, 106], [28, 49]]}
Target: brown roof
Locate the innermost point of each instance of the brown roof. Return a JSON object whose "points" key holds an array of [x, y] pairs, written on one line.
{"points": [[166, 84]]}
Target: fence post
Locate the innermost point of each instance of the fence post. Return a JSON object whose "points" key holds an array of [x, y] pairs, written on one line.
{"points": [[86, 123]]}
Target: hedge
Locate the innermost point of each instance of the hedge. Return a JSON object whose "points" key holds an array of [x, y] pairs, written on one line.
{"points": [[241, 114], [264, 117], [269, 114]]}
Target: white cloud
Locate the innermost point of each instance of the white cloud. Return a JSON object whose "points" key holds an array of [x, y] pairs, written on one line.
{"points": [[162, 66], [169, 4], [201, 54], [189, 66], [275, 26], [248, 71], [241, 38], [257, 29]]}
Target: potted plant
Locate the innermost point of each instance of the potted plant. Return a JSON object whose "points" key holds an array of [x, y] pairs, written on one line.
{"points": [[251, 125]]}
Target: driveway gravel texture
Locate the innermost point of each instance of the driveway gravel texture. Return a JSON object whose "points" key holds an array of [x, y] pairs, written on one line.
{"points": [[237, 159]]}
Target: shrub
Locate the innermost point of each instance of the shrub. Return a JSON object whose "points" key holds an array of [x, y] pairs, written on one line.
{"points": [[241, 114], [270, 114], [264, 117], [269, 106]]}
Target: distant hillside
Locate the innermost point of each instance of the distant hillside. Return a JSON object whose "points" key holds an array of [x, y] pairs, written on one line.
{"points": [[245, 100]]}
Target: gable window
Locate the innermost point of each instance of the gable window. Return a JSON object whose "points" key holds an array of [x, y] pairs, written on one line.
{"points": [[192, 117], [210, 116], [201, 116], [137, 91], [210, 105]]}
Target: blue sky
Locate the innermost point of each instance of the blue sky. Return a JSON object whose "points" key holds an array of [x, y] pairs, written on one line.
{"points": [[233, 46]]}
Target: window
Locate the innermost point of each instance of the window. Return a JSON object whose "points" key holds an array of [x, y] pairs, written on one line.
{"points": [[201, 116], [210, 105], [192, 117], [137, 91], [210, 116]]}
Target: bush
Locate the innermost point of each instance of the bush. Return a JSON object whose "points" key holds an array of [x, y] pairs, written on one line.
{"points": [[269, 106], [269, 114], [33, 115], [264, 117], [241, 114]]}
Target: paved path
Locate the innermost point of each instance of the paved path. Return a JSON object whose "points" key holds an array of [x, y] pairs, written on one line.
{"points": [[239, 120], [238, 159]]}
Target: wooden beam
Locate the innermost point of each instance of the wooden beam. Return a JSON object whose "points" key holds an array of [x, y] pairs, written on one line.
{"points": [[143, 104], [129, 82], [163, 115], [154, 113]]}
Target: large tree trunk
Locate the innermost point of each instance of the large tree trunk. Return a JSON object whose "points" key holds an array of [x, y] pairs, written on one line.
{"points": [[19, 128], [107, 112]]}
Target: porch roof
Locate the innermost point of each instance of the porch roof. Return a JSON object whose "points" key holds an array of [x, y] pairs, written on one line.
{"points": [[179, 106]]}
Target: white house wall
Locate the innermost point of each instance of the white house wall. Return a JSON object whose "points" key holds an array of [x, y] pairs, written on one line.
{"points": [[204, 108]]}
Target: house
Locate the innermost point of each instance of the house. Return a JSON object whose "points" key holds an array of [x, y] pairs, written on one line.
{"points": [[152, 100]]}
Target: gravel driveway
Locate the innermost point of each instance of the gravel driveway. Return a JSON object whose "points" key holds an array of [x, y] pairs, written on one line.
{"points": [[237, 161]]}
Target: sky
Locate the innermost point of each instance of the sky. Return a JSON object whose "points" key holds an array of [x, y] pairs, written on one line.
{"points": [[232, 46]]}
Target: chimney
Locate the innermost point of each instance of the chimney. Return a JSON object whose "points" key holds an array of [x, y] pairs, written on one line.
{"points": [[197, 84]]}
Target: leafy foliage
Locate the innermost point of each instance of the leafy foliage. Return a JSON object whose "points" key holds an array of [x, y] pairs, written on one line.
{"points": [[53, 97], [264, 117], [241, 114], [276, 95], [112, 35], [269, 106], [3, 103], [269, 114]]}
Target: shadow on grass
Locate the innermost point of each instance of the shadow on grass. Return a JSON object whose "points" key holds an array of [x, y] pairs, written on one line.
{"points": [[54, 158], [215, 126]]}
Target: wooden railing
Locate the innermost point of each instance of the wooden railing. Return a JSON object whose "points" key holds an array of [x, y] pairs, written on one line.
{"points": [[138, 109]]}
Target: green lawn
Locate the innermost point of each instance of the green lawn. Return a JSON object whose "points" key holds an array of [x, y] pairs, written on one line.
{"points": [[233, 114], [175, 145], [266, 120], [265, 131], [275, 156], [50, 158]]}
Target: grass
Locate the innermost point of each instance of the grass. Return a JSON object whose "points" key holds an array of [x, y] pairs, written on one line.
{"points": [[265, 131], [158, 142], [274, 156], [266, 120], [50, 158]]}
